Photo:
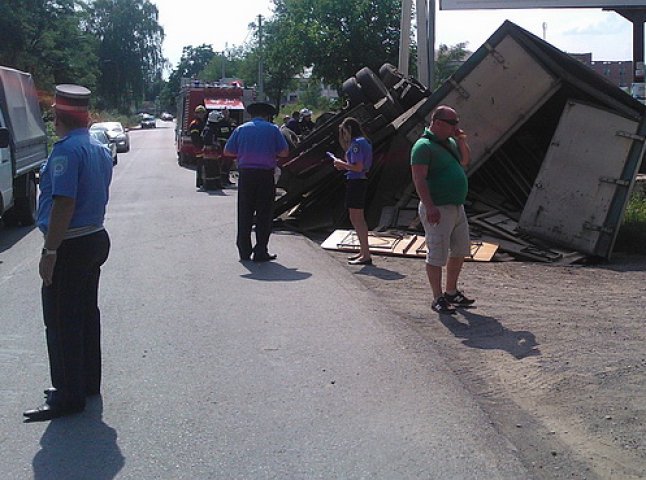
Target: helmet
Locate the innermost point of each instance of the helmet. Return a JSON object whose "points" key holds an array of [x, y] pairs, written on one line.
{"points": [[200, 109], [215, 116], [306, 112]]}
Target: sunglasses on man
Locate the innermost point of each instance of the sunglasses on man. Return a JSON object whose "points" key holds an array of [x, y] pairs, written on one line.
{"points": [[451, 121]]}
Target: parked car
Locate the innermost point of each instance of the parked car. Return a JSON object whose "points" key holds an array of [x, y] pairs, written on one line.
{"points": [[116, 132], [166, 117], [148, 121], [104, 140]]}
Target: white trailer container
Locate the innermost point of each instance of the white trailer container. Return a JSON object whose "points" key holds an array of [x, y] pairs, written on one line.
{"points": [[555, 143]]}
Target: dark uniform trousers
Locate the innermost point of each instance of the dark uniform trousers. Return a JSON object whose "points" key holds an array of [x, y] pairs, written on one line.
{"points": [[256, 191], [73, 321]]}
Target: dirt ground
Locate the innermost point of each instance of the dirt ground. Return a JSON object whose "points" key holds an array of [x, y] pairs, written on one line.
{"points": [[556, 356]]}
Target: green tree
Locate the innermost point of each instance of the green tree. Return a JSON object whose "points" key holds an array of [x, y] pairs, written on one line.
{"points": [[219, 65], [449, 59], [246, 60], [49, 39], [280, 65], [193, 61], [311, 96], [338, 37], [130, 57]]}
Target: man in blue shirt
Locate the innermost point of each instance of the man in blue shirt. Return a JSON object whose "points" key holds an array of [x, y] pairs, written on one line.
{"points": [[256, 144], [74, 185]]}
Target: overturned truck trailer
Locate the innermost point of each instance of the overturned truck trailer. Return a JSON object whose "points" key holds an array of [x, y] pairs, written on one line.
{"points": [[555, 148]]}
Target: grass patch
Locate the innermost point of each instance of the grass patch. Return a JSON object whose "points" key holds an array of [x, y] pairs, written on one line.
{"points": [[632, 233]]}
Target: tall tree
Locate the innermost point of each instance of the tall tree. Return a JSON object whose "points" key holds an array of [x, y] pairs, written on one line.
{"points": [[193, 61], [49, 39], [130, 55], [280, 64], [338, 37], [449, 59]]}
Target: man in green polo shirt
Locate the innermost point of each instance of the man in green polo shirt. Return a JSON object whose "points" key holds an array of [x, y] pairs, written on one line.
{"points": [[438, 160]]}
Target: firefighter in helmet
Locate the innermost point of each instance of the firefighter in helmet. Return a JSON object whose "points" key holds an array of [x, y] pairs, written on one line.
{"points": [[195, 131], [224, 129], [211, 152], [306, 124]]}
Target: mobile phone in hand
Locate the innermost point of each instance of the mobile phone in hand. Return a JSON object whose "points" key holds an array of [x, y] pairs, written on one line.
{"points": [[330, 155]]}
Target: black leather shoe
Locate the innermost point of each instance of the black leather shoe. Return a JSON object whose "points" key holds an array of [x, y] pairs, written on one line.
{"points": [[49, 412], [265, 258]]}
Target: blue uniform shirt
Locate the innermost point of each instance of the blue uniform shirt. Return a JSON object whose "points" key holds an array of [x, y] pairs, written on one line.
{"points": [[360, 151], [256, 144], [78, 167]]}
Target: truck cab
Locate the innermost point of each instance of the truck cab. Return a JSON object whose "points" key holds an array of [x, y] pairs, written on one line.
{"points": [[213, 96], [23, 147]]}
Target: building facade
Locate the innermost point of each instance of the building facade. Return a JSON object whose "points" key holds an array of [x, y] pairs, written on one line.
{"points": [[618, 72]]}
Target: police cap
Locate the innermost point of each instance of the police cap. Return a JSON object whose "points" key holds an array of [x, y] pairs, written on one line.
{"points": [[72, 98], [261, 108]]}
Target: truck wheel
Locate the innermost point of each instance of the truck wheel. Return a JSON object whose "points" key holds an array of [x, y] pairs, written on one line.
{"points": [[389, 75], [24, 207], [353, 91], [371, 86]]}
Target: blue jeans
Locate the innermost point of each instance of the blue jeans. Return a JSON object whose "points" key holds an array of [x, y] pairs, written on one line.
{"points": [[73, 320]]}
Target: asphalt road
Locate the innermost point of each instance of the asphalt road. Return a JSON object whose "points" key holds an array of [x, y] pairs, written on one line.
{"points": [[215, 369]]}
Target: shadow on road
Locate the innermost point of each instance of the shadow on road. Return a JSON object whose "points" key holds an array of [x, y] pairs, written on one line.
{"points": [[381, 273], [489, 334], [273, 272], [9, 236], [79, 447]]}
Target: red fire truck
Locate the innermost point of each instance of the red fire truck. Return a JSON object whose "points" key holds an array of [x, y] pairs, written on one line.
{"points": [[214, 96]]}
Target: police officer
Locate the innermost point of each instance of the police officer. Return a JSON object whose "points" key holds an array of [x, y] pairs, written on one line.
{"points": [[256, 144], [74, 189]]}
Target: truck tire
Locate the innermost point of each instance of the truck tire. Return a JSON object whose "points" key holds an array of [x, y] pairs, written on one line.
{"points": [[353, 91], [24, 211], [389, 75], [372, 87]]}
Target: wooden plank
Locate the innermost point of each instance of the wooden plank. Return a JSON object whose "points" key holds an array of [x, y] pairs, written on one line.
{"points": [[335, 239], [400, 245], [482, 251]]}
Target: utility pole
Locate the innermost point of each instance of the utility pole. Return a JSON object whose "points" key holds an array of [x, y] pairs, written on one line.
{"points": [[261, 83], [425, 41], [404, 36], [224, 60]]}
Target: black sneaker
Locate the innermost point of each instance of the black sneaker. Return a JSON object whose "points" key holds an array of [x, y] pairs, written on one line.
{"points": [[458, 299], [442, 306]]}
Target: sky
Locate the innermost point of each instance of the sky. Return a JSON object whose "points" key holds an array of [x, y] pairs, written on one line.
{"points": [[225, 23]]}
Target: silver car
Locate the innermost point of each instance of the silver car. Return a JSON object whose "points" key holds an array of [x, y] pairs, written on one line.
{"points": [[104, 140], [116, 133]]}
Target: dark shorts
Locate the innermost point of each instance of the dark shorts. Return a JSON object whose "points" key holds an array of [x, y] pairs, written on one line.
{"points": [[355, 193]]}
